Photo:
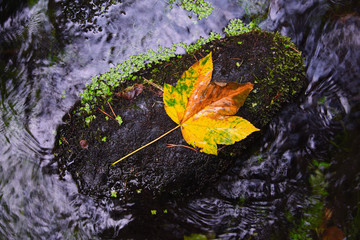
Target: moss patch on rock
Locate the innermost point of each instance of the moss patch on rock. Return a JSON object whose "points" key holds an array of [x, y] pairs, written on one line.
{"points": [[267, 60]]}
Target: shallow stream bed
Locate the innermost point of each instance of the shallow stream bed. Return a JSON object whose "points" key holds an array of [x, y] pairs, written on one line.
{"points": [[303, 181]]}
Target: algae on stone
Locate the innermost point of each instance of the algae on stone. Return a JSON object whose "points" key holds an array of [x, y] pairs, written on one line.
{"points": [[176, 171]]}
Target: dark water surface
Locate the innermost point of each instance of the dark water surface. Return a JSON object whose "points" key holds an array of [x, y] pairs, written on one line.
{"points": [[50, 49]]}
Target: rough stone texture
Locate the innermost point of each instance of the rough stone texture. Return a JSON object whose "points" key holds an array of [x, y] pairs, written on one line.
{"points": [[268, 60]]}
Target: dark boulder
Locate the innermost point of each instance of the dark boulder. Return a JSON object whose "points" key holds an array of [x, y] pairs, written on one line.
{"points": [[267, 60]]}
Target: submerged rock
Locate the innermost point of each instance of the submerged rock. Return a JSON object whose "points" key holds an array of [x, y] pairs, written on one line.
{"points": [[267, 60]]}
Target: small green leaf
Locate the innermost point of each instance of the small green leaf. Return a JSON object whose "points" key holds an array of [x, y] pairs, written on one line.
{"points": [[89, 119], [321, 101], [113, 193], [324, 165], [195, 237], [119, 119], [63, 94]]}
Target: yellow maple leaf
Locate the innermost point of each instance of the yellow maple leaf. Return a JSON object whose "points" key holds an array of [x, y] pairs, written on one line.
{"points": [[204, 109]]}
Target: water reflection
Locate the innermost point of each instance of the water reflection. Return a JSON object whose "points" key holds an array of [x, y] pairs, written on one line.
{"points": [[51, 49], [256, 196]]}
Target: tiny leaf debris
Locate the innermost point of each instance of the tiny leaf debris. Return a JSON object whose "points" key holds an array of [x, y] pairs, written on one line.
{"points": [[204, 110], [131, 92], [84, 144]]}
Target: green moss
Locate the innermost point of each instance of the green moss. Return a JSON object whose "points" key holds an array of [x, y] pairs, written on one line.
{"points": [[113, 194], [260, 159], [226, 52], [310, 225], [195, 236], [119, 119], [287, 63], [32, 3], [89, 118], [102, 86], [236, 27], [200, 8]]}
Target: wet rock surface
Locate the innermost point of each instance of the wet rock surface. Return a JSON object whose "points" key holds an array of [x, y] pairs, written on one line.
{"points": [[267, 60]]}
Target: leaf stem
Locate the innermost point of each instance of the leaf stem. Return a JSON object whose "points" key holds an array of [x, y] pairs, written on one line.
{"points": [[106, 114], [146, 145], [112, 110], [154, 84]]}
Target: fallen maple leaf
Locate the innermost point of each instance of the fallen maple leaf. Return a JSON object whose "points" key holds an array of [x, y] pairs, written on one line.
{"points": [[204, 109]]}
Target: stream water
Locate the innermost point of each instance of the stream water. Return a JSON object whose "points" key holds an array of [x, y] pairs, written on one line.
{"points": [[50, 49]]}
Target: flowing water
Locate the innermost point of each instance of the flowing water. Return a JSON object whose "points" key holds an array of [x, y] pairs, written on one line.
{"points": [[50, 49]]}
